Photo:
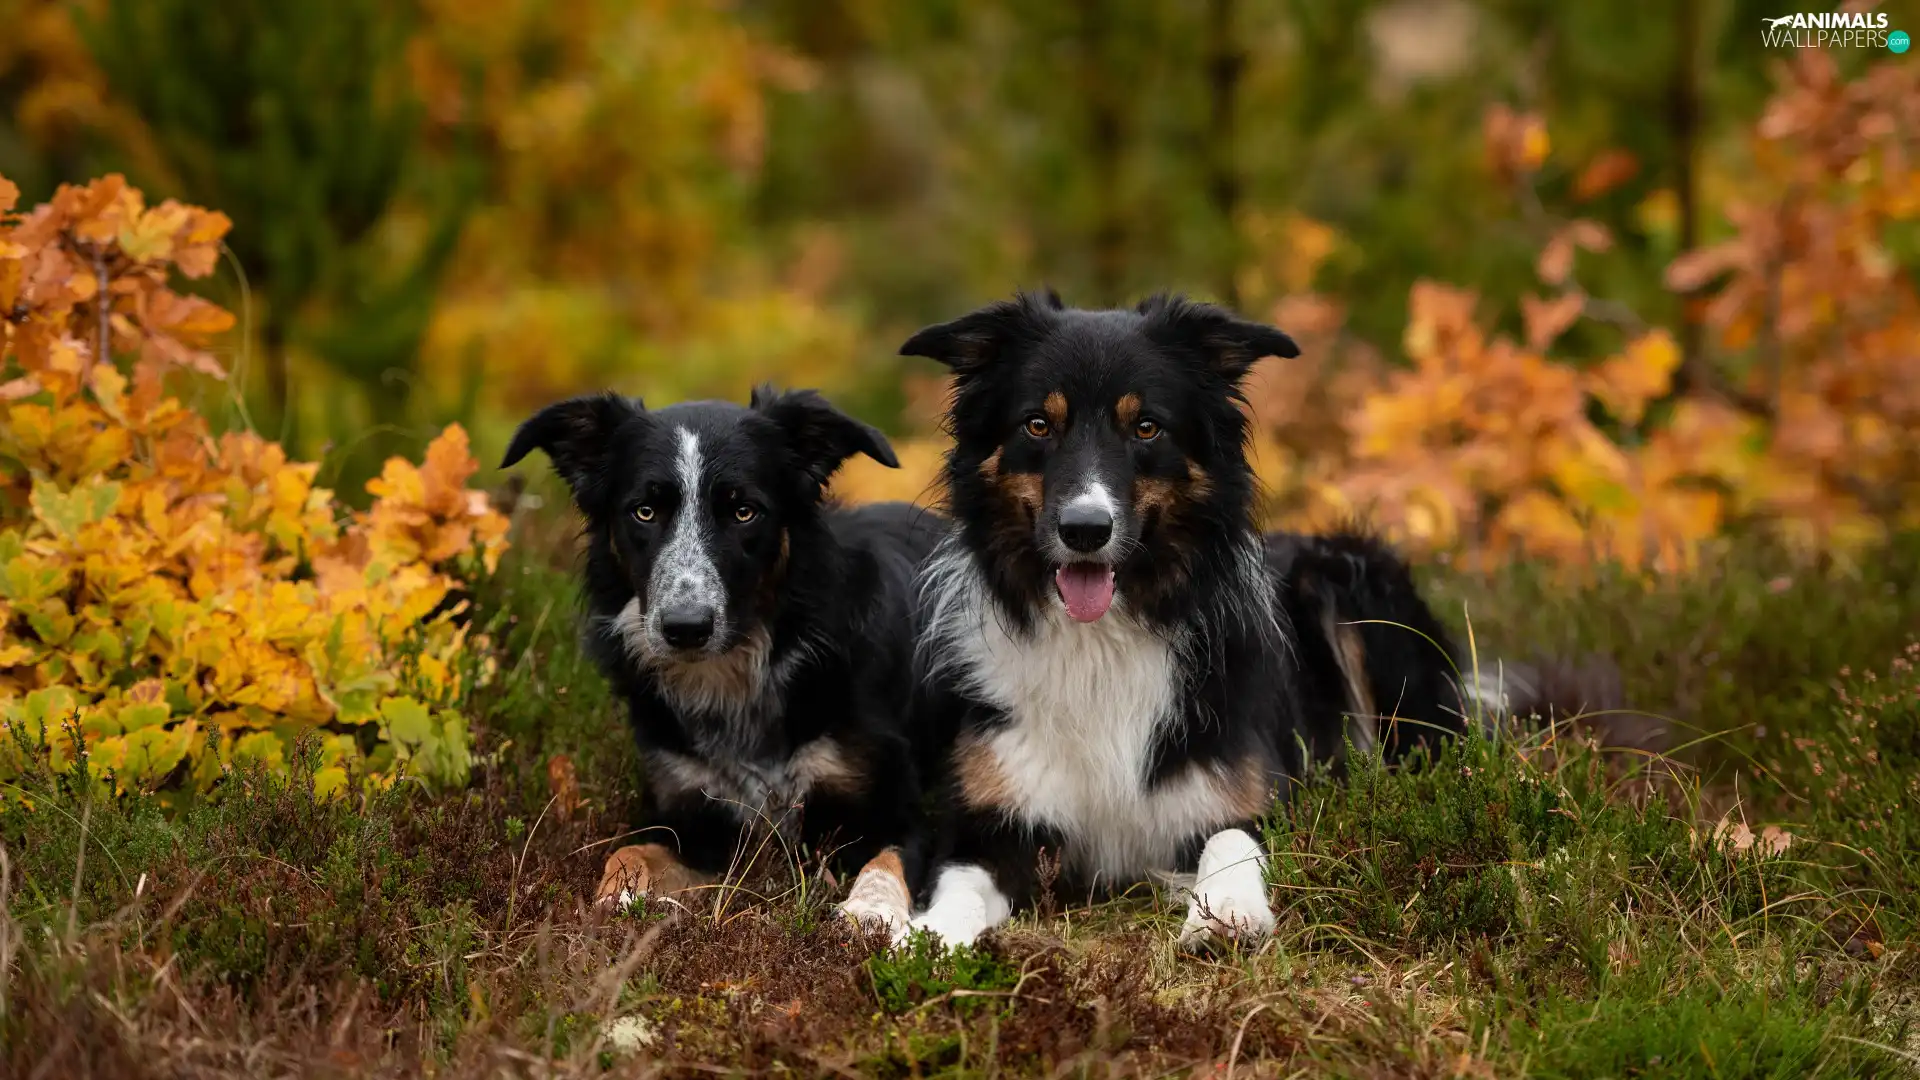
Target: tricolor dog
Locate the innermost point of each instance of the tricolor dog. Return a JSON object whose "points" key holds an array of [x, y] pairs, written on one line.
{"points": [[762, 639], [1126, 669]]}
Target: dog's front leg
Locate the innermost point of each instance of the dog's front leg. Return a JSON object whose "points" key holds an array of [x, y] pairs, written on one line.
{"points": [[880, 898], [643, 870], [967, 902], [990, 869], [1229, 892]]}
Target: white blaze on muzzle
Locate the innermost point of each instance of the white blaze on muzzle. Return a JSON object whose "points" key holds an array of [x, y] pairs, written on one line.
{"points": [[684, 573], [1089, 528]]}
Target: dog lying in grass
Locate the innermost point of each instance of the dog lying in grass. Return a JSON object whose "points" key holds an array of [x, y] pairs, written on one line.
{"points": [[762, 640], [1127, 670]]}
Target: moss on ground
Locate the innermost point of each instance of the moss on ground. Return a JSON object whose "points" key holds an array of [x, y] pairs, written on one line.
{"points": [[1528, 906]]}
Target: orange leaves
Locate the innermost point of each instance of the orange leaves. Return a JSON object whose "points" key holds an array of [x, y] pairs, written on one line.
{"points": [[1485, 442], [427, 514], [187, 601], [1514, 143], [1555, 264], [1604, 173], [1546, 320], [1807, 287], [1626, 383], [91, 267]]}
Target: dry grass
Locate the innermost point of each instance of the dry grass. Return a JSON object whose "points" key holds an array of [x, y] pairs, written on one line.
{"points": [[1529, 909]]}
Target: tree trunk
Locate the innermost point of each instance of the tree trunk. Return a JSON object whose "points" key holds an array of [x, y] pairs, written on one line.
{"points": [[1226, 63], [1684, 116], [1105, 142]]}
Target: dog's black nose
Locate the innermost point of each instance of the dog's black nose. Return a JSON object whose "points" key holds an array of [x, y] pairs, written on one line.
{"points": [[1085, 528], [687, 626]]}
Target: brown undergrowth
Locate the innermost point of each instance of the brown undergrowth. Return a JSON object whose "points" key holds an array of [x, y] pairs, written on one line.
{"points": [[1525, 908]]}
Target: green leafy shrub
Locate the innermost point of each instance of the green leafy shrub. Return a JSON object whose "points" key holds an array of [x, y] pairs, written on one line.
{"points": [[921, 971]]}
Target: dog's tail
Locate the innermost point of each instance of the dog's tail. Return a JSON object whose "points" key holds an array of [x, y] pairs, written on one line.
{"points": [[1587, 691]]}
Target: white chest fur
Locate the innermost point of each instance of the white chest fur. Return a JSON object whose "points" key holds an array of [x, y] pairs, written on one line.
{"points": [[1085, 704]]}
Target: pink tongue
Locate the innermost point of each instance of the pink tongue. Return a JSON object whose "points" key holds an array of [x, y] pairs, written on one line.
{"points": [[1086, 588]]}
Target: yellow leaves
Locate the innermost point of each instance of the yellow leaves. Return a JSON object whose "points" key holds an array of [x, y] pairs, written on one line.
{"points": [[63, 513], [1540, 525], [1486, 441], [427, 514], [153, 590], [1801, 416], [917, 480], [1626, 383]]}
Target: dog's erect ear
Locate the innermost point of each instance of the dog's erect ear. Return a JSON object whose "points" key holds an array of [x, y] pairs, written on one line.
{"points": [[974, 341], [1228, 344], [818, 435], [577, 435]]}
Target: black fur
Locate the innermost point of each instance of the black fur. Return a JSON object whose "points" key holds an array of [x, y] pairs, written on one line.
{"points": [[826, 593], [1153, 411]]}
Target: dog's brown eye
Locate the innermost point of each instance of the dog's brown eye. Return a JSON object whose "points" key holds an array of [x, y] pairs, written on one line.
{"points": [[1146, 431], [1038, 427], [643, 513], [744, 513]]}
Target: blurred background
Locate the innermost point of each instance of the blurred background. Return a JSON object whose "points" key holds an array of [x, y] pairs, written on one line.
{"points": [[1577, 279]]}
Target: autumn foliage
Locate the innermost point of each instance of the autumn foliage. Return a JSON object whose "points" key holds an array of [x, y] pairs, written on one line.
{"points": [[172, 602], [1798, 412]]}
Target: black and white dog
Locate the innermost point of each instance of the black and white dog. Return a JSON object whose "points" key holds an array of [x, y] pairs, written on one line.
{"points": [[1127, 670], [761, 639]]}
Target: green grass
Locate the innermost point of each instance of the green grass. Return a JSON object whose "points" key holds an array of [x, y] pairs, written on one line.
{"points": [[1529, 906]]}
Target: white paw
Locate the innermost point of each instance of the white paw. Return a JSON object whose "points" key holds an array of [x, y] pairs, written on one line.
{"points": [[949, 929], [1229, 901], [966, 903], [1226, 918]]}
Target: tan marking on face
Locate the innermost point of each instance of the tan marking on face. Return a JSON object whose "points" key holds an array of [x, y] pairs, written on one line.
{"points": [[1027, 489], [1159, 494], [1127, 411], [1055, 408], [824, 765], [1199, 483], [644, 870], [983, 784], [1154, 495]]}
